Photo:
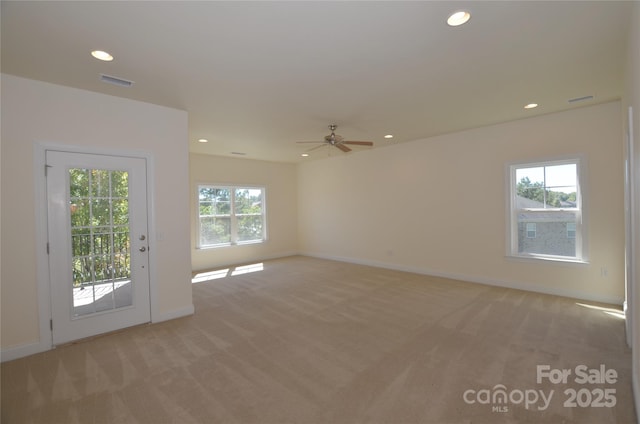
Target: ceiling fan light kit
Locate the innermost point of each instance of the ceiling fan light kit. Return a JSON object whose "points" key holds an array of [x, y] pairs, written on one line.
{"points": [[338, 141]]}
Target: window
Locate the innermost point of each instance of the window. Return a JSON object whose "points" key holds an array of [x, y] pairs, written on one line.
{"points": [[546, 215], [230, 215]]}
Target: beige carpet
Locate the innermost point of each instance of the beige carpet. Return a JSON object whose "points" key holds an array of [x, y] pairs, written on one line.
{"points": [[313, 341]]}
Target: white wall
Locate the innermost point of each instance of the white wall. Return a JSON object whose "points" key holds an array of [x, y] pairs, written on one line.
{"points": [[437, 206], [280, 181], [36, 112], [632, 98]]}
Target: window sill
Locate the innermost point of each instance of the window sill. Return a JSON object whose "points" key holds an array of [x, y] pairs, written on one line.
{"points": [[552, 259], [219, 246]]}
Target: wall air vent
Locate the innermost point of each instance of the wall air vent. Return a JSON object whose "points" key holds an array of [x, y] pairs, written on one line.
{"points": [[580, 99], [115, 81]]}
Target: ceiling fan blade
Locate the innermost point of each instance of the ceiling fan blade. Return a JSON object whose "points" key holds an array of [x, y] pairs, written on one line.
{"points": [[342, 147], [317, 147], [309, 141], [359, 143]]}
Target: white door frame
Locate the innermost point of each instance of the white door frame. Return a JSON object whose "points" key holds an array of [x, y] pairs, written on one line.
{"points": [[630, 229], [42, 260]]}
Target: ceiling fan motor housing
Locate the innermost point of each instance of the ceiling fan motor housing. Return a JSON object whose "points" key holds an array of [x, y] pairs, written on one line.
{"points": [[333, 138]]}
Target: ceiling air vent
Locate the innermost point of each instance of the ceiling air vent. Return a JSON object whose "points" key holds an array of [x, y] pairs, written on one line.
{"points": [[580, 99], [115, 81]]}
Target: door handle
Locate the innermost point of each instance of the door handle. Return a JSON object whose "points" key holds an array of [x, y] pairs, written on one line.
{"points": [[143, 249]]}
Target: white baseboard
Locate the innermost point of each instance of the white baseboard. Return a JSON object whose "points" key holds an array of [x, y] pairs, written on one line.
{"points": [[557, 291], [24, 350], [18, 352], [248, 261], [33, 348], [178, 313]]}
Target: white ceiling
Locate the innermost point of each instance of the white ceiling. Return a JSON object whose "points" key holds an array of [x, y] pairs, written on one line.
{"points": [[255, 77]]}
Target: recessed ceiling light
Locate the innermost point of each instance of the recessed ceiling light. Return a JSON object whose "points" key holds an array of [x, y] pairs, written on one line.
{"points": [[531, 106], [459, 18], [203, 140], [102, 55], [304, 155], [388, 136]]}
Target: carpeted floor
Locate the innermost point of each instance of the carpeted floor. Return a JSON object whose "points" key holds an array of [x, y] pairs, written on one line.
{"points": [[303, 340]]}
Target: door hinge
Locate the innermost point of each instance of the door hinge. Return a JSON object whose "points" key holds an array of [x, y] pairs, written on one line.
{"points": [[47, 248], [51, 324], [46, 167]]}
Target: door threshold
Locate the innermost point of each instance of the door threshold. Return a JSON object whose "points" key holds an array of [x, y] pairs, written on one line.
{"points": [[99, 336]]}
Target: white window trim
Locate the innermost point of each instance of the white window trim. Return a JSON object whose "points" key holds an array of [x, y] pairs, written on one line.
{"points": [[233, 242], [581, 239]]}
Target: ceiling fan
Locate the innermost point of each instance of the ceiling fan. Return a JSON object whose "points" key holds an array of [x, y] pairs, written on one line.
{"points": [[338, 141]]}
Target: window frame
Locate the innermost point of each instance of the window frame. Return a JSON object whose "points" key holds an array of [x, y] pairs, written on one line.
{"points": [[512, 212], [233, 216]]}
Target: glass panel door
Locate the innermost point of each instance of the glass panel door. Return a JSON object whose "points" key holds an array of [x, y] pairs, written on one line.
{"points": [[100, 240]]}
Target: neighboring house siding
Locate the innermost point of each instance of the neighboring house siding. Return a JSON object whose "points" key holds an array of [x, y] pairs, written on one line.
{"points": [[551, 230], [551, 238]]}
